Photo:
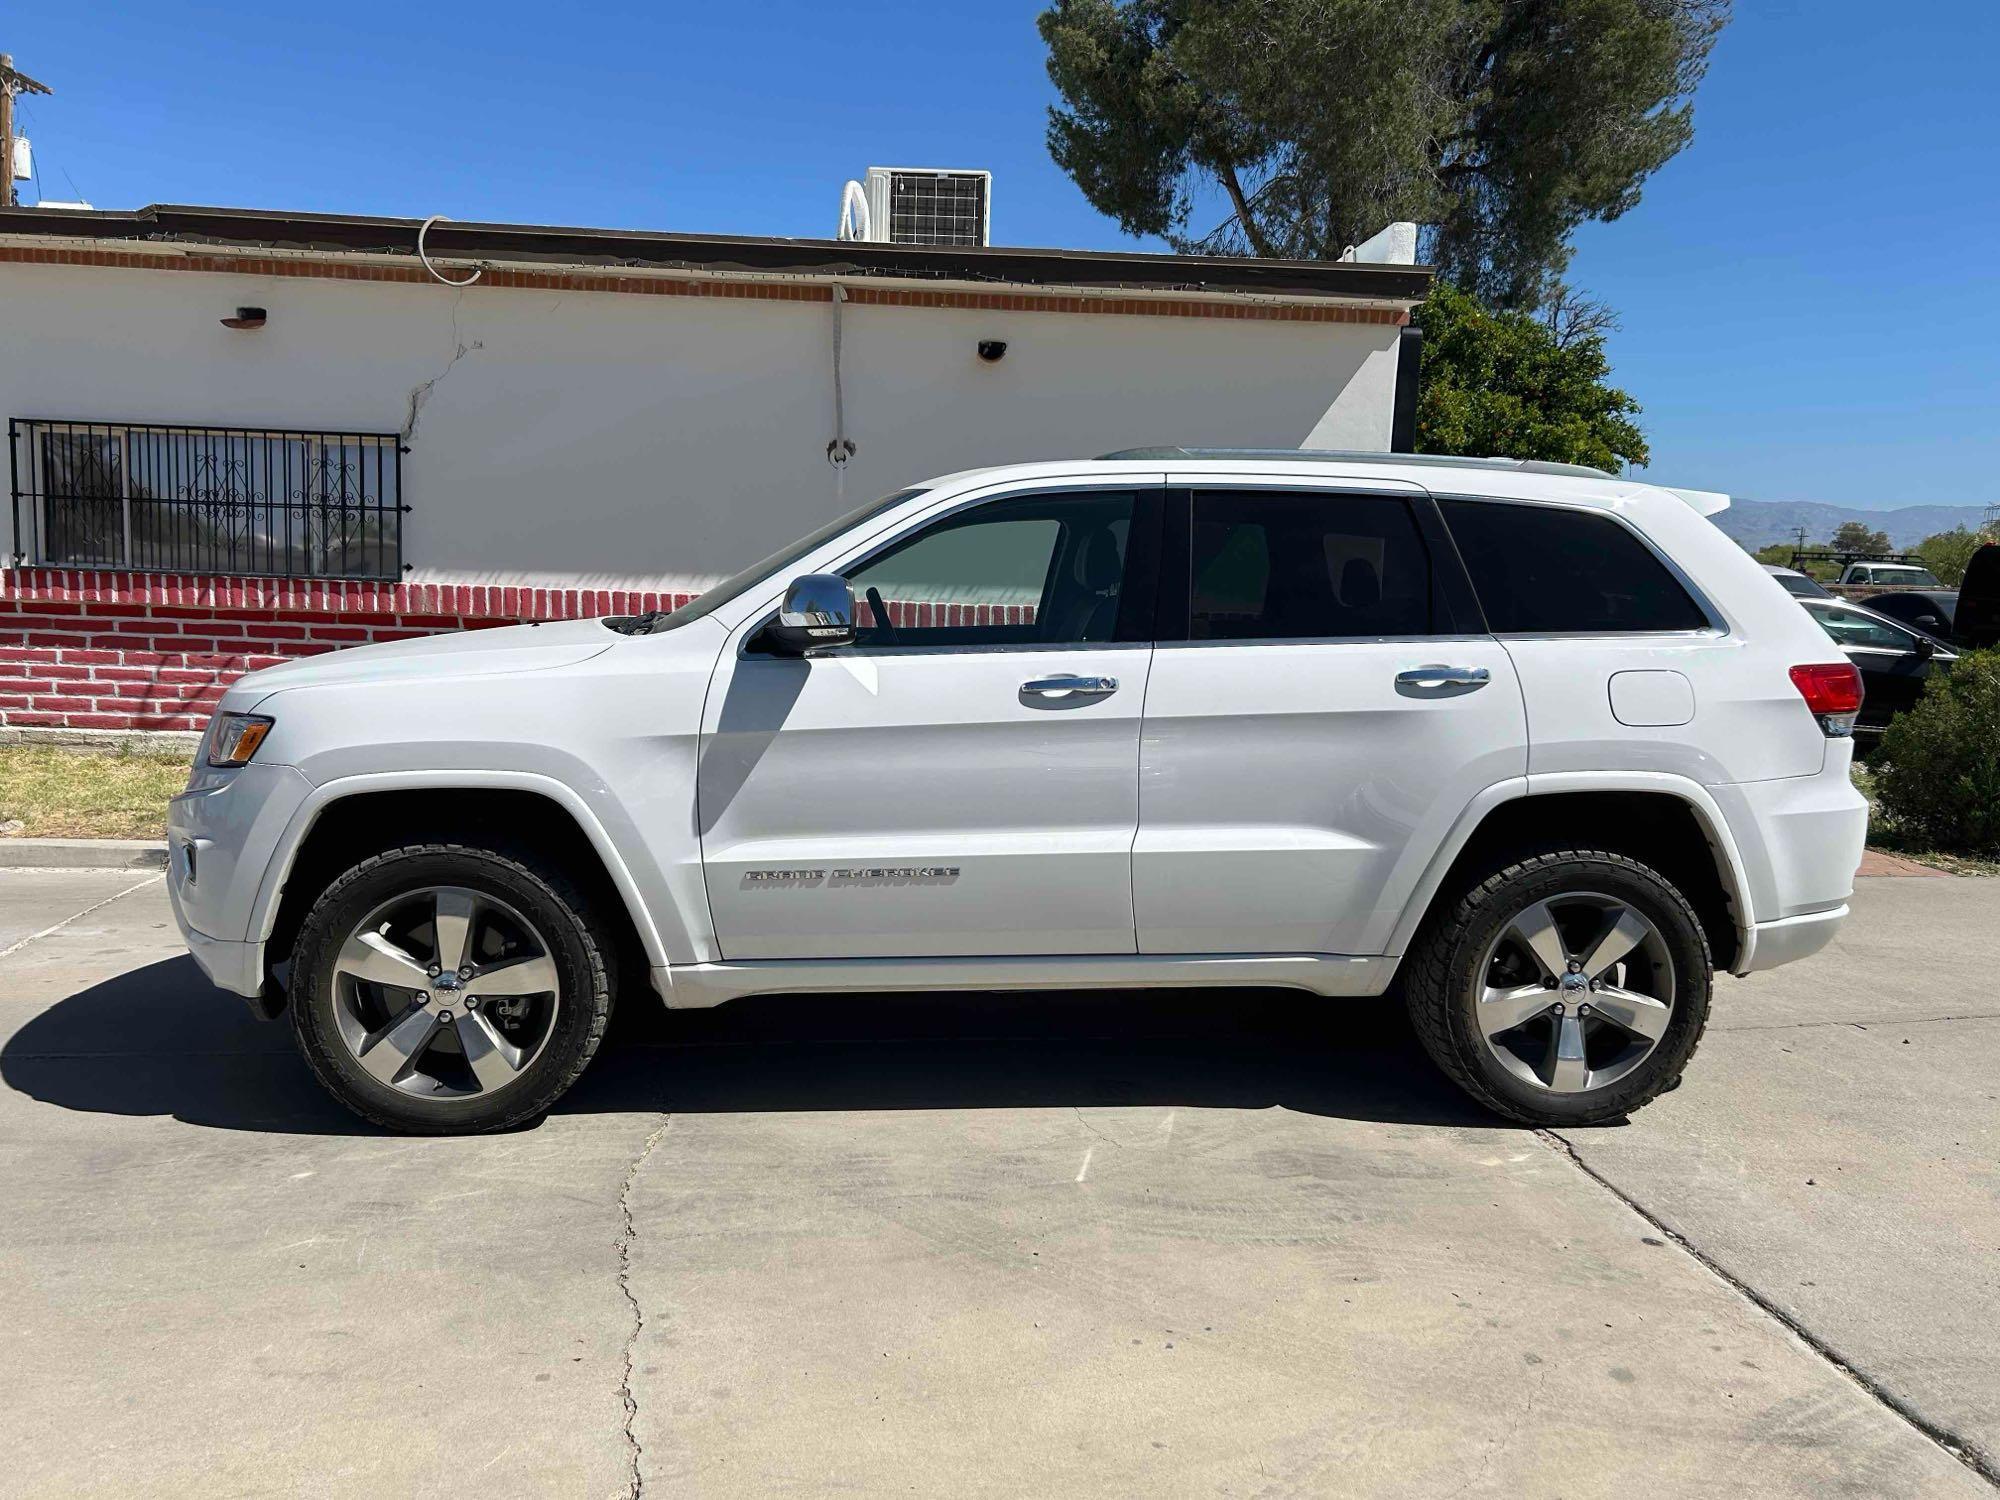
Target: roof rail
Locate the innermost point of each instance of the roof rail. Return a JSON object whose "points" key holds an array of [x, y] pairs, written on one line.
{"points": [[1334, 455]]}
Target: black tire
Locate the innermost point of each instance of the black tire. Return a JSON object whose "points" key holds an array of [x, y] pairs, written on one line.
{"points": [[544, 895], [1444, 979]]}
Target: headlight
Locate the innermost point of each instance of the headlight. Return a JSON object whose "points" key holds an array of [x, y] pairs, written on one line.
{"points": [[234, 738]]}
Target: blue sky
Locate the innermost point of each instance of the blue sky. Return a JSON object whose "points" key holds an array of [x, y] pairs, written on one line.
{"points": [[1810, 294]]}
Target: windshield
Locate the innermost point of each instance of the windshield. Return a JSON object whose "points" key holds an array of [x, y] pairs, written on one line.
{"points": [[719, 594], [1903, 575]]}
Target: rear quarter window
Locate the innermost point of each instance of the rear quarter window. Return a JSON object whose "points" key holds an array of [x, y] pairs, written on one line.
{"points": [[1539, 569]]}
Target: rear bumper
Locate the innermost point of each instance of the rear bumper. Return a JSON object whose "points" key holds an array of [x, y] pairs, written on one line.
{"points": [[1780, 942], [1800, 838]]}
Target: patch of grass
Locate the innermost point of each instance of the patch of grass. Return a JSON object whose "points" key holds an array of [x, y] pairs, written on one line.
{"points": [[1884, 834], [54, 791]]}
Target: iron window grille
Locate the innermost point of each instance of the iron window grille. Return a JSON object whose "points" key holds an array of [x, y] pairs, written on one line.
{"points": [[250, 501]]}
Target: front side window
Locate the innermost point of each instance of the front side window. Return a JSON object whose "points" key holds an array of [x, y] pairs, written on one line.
{"points": [[1541, 569], [1302, 565], [1032, 570]]}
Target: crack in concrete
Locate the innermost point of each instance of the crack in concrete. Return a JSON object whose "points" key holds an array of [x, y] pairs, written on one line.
{"points": [[627, 1234], [1890, 1024], [52, 930], [1092, 1129], [1967, 1452]]}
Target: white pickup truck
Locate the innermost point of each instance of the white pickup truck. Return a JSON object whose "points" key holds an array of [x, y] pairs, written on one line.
{"points": [[1888, 575], [1538, 745]]}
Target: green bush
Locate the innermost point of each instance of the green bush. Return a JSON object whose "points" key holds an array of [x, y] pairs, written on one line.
{"points": [[1938, 774]]}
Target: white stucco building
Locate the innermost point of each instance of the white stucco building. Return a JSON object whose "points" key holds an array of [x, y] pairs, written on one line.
{"points": [[602, 418]]}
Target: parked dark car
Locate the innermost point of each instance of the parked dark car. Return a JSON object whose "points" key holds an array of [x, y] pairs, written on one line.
{"points": [[1894, 658], [1977, 620], [1930, 610], [1799, 585]]}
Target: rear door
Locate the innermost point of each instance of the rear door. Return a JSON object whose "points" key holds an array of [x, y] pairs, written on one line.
{"points": [[1324, 703]]}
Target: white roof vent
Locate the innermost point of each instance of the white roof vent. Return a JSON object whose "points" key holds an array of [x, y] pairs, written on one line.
{"points": [[1394, 245], [919, 206]]}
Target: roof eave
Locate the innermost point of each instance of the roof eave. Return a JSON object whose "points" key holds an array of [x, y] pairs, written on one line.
{"points": [[818, 260]]}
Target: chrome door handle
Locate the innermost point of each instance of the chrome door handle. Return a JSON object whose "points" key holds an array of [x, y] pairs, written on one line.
{"points": [[1065, 686], [1442, 676]]}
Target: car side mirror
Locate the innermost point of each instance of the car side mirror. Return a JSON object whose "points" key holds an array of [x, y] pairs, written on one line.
{"points": [[1926, 648], [817, 615]]}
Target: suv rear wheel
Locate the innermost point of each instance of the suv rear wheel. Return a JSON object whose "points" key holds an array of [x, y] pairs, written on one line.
{"points": [[1565, 989], [444, 989]]}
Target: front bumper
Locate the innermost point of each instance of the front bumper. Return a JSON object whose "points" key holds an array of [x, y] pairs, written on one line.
{"points": [[222, 834], [236, 967]]}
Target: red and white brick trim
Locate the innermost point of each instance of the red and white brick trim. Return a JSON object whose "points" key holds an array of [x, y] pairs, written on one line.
{"points": [[94, 650], [97, 650], [635, 282]]}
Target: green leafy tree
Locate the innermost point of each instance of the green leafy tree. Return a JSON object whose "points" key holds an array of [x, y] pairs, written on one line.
{"points": [[1499, 385], [1858, 536], [1947, 553], [1502, 124], [1777, 554], [1938, 775]]}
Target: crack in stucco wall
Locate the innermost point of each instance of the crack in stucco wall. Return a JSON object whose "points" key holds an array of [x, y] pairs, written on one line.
{"points": [[421, 392]]}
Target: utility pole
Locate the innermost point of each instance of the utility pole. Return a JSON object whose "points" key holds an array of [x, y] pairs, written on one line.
{"points": [[11, 83]]}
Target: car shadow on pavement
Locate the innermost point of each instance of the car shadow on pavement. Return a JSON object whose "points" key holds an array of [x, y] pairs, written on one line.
{"points": [[161, 1040]]}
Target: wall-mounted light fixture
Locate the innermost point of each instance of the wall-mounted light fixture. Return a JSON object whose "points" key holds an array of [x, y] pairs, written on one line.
{"points": [[246, 317]]}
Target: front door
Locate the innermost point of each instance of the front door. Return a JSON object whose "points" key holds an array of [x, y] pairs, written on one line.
{"points": [[963, 781], [1329, 710]]}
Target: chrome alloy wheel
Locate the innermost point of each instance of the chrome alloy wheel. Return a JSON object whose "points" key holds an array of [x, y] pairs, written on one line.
{"points": [[444, 992], [1575, 992]]}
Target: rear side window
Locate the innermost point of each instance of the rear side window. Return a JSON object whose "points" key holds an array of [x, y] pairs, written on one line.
{"points": [[1293, 565], [1538, 568]]}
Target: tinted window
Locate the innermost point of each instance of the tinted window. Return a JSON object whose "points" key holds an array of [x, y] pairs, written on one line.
{"points": [[1289, 565], [1801, 586], [1033, 570], [1539, 568], [1933, 614]]}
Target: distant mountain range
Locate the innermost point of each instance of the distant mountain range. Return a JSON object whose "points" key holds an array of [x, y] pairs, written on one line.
{"points": [[1758, 523]]}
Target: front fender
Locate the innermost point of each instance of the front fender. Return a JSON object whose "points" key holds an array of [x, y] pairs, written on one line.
{"points": [[649, 892]]}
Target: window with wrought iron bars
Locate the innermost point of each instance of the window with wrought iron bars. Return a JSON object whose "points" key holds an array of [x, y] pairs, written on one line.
{"points": [[252, 501]]}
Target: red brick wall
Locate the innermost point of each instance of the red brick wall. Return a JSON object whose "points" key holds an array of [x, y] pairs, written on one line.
{"points": [[81, 649], [106, 650]]}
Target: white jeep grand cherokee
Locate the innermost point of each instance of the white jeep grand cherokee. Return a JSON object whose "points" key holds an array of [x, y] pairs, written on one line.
{"points": [[1539, 743]]}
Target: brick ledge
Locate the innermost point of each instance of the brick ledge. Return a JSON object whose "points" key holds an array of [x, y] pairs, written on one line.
{"points": [[328, 596]]}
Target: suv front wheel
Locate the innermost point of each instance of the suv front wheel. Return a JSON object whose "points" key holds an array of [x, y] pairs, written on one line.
{"points": [[444, 989], [1565, 989]]}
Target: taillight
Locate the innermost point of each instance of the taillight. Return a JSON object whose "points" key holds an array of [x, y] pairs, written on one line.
{"points": [[1832, 691]]}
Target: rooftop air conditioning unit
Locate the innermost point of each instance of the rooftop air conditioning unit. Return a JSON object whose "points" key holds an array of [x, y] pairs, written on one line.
{"points": [[918, 206]]}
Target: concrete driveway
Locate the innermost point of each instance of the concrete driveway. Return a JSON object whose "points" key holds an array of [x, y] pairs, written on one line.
{"points": [[1236, 1244]]}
